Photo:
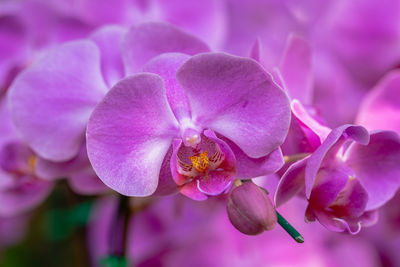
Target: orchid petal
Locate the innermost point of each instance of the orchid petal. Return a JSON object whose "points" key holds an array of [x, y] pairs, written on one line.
{"points": [[166, 66], [108, 40], [166, 184], [248, 168], [215, 183], [328, 184], [296, 69], [148, 40], [192, 191], [129, 134], [50, 170], [87, 183], [352, 201], [382, 102], [327, 152], [291, 183], [24, 197], [335, 224], [51, 101], [234, 97], [377, 166]]}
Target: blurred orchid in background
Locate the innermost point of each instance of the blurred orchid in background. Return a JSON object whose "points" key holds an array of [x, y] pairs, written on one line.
{"points": [[164, 133]]}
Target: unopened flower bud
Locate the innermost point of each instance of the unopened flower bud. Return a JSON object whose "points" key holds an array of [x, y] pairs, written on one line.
{"points": [[250, 210]]}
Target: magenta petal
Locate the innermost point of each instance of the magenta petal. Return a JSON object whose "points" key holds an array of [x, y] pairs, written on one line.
{"points": [[191, 190], [148, 40], [291, 183], [296, 69], [129, 133], [369, 218], [51, 101], [166, 184], [328, 184], [178, 178], [87, 183], [230, 160], [7, 129], [309, 215], [377, 166], [24, 196], [50, 170], [248, 168], [215, 183], [234, 97], [335, 224], [15, 157], [166, 66], [302, 115], [352, 201], [328, 150], [256, 50], [383, 101], [108, 40]]}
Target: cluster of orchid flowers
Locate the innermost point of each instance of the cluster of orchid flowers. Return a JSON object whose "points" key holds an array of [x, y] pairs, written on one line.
{"points": [[152, 110]]}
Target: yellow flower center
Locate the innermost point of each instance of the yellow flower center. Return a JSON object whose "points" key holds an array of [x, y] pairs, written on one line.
{"points": [[32, 162], [200, 162]]}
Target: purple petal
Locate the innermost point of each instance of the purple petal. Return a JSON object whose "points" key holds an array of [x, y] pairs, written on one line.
{"points": [[383, 101], [327, 152], [103, 12], [369, 218], [24, 196], [87, 183], [166, 66], [229, 162], [248, 168], [7, 130], [13, 49], [300, 139], [335, 89], [305, 133], [50, 170], [256, 50], [335, 224], [377, 166], [352, 201], [148, 40], [178, 178], [166, 184], [304, 117], [15, 157], [236, 98], [328, 184], [353, 24], [129, 133], [51, 101], [215, 182], [207, 19], [108, 40], [291, 183], [192, 191], [296, 69], [309, 215]]}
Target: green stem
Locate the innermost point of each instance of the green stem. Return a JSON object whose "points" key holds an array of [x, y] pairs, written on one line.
{"points": [[289, 228]]}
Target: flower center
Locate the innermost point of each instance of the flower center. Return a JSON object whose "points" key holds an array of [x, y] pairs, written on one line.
{"points": [[200, 162], [32, 162]]}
